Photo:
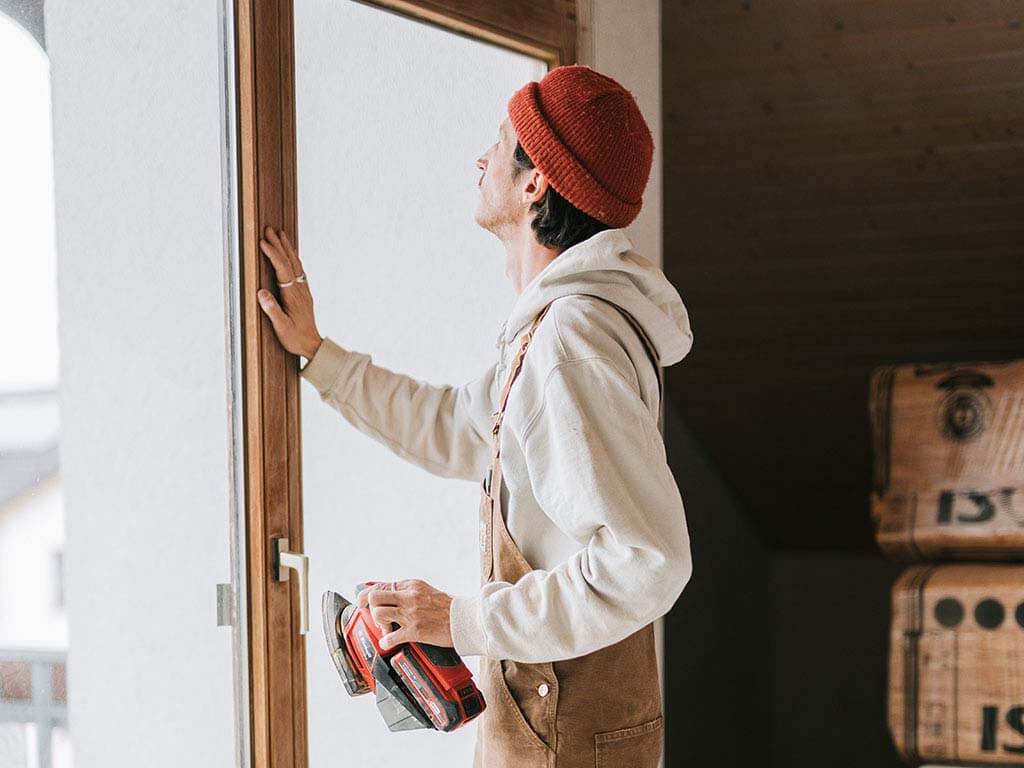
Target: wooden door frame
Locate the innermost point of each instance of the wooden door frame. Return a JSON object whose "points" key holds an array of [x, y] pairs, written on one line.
{"points": [[267, 179]]}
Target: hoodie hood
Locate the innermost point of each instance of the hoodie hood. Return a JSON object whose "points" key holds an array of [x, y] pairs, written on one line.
{"points": [[607, 266]]}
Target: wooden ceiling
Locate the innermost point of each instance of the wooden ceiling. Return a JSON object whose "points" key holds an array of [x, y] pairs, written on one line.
{"points": [[844, 188]]}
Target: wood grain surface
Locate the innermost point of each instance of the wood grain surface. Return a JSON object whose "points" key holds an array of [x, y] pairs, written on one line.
{"points": [[949, 460], [844, 188], [956, 663]]}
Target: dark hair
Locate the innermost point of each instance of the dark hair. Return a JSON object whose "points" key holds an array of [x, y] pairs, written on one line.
{"points": [[557, 223]]}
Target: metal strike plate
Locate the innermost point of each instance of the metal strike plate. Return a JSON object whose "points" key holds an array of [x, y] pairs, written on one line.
{"points": [[225, 606], [295, 561]]}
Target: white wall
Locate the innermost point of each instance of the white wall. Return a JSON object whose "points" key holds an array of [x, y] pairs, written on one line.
{"points": [[142, 379], [623, 40]]}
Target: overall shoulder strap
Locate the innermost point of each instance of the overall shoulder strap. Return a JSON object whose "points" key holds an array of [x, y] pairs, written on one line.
{"points": [[517, 364]]}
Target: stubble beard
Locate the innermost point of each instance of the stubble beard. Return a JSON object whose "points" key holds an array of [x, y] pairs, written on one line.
{"points": [[496, 220]]}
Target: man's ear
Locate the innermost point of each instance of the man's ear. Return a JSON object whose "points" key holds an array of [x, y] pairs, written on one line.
{"points": [[536, 186]]}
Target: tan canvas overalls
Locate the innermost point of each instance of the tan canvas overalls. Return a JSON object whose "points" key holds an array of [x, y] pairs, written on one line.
{"points": [[600, 710]]}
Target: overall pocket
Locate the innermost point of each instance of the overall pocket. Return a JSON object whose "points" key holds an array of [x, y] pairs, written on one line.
{"points": [[638, 746], [531, 694]]}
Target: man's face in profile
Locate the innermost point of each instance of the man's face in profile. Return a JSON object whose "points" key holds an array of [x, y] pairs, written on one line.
{"points": [[497, 205]]}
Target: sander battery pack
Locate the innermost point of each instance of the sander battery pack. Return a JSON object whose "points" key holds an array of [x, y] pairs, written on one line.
{"points": [[416, 685]]}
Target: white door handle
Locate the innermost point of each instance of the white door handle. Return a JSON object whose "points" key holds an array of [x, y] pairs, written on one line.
{"points": [[285, 560]]}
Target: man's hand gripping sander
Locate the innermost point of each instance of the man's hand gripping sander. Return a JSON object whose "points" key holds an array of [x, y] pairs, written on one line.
{"points": [[417, 685]]}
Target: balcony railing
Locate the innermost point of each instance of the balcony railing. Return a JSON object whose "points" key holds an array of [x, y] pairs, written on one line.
{"points": [[33, 689]]}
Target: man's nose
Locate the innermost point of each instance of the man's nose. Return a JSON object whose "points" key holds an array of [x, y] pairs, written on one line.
{"points": [[481, 164]]}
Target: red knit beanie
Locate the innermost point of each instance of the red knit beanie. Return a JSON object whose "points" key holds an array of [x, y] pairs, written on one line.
{"points": [[585, 133]]}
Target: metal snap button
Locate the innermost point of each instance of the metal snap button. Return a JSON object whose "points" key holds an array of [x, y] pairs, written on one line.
{"points": [[543, 689]]}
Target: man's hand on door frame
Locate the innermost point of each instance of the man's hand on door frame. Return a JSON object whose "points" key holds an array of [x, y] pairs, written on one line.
{"points": [[293, 318], [421, 611]]}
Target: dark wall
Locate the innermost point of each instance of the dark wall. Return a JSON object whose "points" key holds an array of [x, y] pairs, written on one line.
{"points": [[718, 638], [772, 658], [830, 676], [843, 188]]}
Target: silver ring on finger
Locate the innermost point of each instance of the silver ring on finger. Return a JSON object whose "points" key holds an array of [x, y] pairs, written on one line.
{"points": [[285, 285], [301, 278]]}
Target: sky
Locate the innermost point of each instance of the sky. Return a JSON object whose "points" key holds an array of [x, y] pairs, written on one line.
{"points": [[28, 274]]}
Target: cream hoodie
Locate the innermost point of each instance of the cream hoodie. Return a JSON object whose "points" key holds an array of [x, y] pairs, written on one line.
{"points": [[588, 495]]}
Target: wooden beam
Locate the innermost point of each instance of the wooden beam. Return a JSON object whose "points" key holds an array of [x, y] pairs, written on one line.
{"points": [[266, 112], [544, 30]]}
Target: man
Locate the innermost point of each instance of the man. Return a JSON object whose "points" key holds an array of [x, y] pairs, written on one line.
{"points": [[583, 536]]}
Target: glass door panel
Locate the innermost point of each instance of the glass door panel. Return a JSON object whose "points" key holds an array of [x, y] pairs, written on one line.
{"points": [[391, 115]]}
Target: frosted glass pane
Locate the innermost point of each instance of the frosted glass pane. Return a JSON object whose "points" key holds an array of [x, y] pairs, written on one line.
{"points": [[392, 115], [104, 646], [33, 616]]}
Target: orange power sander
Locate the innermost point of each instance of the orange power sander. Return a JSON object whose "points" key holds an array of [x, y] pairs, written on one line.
{"points": [[417, 685]]}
